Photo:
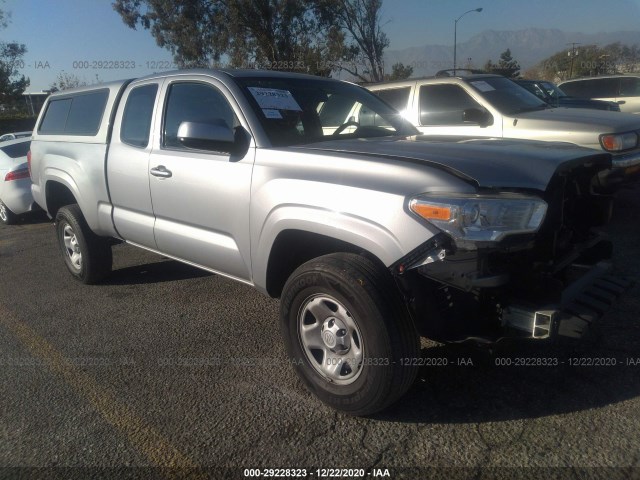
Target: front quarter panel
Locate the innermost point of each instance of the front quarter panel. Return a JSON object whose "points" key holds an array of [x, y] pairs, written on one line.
{"points": [[349, 198]]}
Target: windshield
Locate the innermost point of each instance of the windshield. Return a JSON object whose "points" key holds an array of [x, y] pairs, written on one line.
{"points": [[553, 90], [506, 96], [293, 111]]}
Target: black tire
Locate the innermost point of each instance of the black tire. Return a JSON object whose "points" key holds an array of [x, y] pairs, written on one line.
{"points": [[7, 216], [358, 302], [75, 237]]}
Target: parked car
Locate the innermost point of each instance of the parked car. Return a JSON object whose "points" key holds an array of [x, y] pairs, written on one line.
{"points": [[622, 89], [15, 184], [494, 106], [554, 96], [13, 136], [367, 236]]}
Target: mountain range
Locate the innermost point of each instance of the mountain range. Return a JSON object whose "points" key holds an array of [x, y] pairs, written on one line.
{"points": [[528, 47]]}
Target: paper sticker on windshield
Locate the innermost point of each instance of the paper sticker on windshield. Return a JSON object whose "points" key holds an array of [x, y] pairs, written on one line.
{"points": [[274, 99], [270, 113], [482, 86]]}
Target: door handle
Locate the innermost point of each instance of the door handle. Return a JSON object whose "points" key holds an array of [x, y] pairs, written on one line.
{"points": [[621, 102], [161, 171]]}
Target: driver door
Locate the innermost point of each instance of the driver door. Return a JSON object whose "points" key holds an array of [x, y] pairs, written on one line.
{"points": [[441, 112], [201, 198]]}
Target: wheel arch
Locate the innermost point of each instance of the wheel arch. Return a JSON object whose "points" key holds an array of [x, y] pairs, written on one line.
{"points": [[293, 247], [58, 194]]}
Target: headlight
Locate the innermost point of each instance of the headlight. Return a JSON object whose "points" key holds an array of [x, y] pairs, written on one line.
{"points": [[478, 218], [619, 142]]}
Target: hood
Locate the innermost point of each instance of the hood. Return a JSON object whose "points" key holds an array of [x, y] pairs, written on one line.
{"points": [[578, 120], [487, 163]]}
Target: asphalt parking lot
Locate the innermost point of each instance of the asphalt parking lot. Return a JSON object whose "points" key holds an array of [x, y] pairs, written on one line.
{"points": [[165, 370]]}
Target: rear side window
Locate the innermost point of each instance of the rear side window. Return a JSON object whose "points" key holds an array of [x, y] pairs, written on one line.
{"points": [[596, 88], [136, 120], [55, 118], [573, 89], [396, 97], [77, 115], [630, 87], [17, 149]]}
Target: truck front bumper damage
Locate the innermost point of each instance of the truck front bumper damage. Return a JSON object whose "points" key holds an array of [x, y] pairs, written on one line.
{"points": [[562, 298], [581, 304]]}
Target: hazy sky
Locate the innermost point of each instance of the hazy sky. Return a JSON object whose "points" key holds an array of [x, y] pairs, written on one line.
{"points": [[66, 35]]}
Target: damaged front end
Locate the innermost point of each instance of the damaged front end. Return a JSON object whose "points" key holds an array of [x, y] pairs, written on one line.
{"points": [[513, 263]]}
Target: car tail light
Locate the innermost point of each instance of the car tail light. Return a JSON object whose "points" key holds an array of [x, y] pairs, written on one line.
{"points": [[29, 161], [17, 175]]}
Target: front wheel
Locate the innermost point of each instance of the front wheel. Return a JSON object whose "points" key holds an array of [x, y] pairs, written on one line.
{"points": [[86, 255], [348, 334]]}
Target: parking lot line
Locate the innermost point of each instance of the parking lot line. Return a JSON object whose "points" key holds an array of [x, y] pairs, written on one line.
{"points": [[142, 436]]}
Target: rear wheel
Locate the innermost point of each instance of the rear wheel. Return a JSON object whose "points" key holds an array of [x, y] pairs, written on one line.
{"points": [[86, 255], [7, 216], [348, 334]]}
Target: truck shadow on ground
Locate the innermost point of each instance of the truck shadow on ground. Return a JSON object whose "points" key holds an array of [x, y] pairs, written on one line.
{"points": [[33, 218], [165, 270], [510, 384]]}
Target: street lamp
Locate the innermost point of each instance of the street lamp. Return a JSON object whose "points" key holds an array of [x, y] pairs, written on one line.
{"points": [[455, 35]]}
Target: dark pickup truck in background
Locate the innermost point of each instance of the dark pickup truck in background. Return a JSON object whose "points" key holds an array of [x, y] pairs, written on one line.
{"points": [[554, 96]]}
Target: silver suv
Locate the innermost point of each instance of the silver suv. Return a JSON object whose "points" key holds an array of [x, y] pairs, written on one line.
{"points": [[622, 89], [493, 106]]}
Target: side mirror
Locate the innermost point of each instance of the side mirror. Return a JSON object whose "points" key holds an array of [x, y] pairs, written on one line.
{"points": [[214, 135], [476, 115]]}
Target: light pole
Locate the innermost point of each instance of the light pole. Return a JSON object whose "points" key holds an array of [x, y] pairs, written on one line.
{"points": [[573, 53], [455, 35]]}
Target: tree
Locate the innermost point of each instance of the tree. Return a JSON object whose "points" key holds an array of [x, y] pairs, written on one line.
{"points": [[588, 60], [506, 66], [360, 21], [65, 81], [313, 36], [278, 34], [12, 83], [399, 72]]}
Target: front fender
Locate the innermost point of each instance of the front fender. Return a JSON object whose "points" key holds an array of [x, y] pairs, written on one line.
{"points": [[366, 234]]}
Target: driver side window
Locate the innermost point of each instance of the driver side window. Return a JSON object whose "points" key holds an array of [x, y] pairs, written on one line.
{"points": [[444, 104], [194, 102]]}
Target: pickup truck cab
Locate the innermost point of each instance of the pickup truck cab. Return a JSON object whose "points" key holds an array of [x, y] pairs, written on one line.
{"points": [[484, 105], [369, 235]]}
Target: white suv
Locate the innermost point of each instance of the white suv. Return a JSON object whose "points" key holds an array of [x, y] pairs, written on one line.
{"points": [[622, 89], [486, 105]]}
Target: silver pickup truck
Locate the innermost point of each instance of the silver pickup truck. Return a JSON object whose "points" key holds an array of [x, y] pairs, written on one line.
{"points": [[371, 236]]}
